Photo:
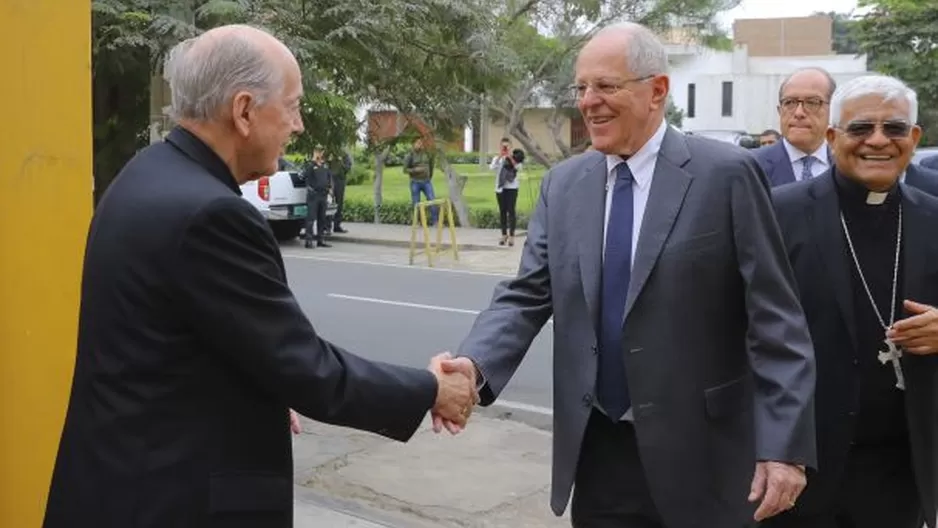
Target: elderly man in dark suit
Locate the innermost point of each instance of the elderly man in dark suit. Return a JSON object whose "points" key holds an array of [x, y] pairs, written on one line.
{"points": [[803, 112], [683, 368], [923, 176], [865, 256], [191, 346]]}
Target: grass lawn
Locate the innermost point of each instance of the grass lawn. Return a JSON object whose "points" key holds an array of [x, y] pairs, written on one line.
{"points": [[479, 191]]}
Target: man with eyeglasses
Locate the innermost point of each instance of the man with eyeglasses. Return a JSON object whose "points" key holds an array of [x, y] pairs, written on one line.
{"points": [[683, 368], [803, 112], [862, 246]]}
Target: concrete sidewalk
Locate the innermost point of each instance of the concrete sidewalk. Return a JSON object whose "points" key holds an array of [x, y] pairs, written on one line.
{"points": [[467, 238], [496, 474]]}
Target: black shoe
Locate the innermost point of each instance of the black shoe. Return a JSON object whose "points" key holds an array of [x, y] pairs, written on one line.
{"points": [[323, 244], [340, 230], [309, 244]]}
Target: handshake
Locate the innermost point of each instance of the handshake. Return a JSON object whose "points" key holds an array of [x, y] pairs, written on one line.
{"points": [[456, 393]]}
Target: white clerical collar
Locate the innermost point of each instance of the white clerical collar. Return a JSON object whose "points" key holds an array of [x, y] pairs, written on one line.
{"points": [[876, 198]]}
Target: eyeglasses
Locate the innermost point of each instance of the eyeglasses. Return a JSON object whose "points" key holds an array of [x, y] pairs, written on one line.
{"points": [[893, 129], [811, 104], [607, 88]]}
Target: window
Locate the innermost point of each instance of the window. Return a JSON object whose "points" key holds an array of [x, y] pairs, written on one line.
{"points": [[691, 100], [727, 98]]}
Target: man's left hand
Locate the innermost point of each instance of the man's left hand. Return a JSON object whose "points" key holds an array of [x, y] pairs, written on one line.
{"points": [[778, 485], [917, 334]]}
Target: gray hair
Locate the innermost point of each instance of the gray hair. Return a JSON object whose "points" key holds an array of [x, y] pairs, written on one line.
{"points": [[204, 76], [889, 88], [646, 54], [831, 83]]}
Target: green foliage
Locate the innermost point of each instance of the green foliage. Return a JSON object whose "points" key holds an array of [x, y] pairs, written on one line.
{"points": [[901, 39], [401, 213], [328, 120], [359, 175], [674, 115]]}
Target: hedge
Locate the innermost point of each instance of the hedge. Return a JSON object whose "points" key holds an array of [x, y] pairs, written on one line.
{"points": [[401, 213]]}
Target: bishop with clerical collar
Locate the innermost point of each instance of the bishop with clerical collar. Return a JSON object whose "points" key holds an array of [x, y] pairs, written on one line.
{"points": [[864, 253]]}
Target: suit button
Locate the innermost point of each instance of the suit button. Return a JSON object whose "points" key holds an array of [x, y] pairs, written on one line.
{"points": [[595, 349], [856, 361], [852, 413], [587, 400]]}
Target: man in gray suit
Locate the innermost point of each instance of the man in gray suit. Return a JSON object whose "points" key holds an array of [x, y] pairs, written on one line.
{"points": [[683, 377]]}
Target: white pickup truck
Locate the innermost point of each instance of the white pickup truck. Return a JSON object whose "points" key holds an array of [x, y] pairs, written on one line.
{"points": [[281, 198]]}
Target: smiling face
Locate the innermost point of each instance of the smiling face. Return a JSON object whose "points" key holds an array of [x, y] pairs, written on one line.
{"points": [[804, 110], [621, 109], [874, 141]]}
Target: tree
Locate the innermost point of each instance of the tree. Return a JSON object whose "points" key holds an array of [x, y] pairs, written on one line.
{"points": [[901, 39], [539, 44], [416, 55], [674, 115]]}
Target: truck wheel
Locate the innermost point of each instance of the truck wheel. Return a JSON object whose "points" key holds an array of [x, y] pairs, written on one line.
{"points": [[286, 230]]}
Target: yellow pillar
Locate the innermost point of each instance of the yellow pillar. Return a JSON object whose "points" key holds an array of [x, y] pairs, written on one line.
{"points": [[45, 206]]}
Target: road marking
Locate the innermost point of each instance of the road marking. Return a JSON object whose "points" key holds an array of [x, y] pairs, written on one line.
{"points": [[399, 266], [403, 304], [410, 305], [526, 407]]}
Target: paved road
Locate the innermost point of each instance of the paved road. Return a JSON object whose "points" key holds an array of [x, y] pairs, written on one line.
{"points": [[404, 315]]}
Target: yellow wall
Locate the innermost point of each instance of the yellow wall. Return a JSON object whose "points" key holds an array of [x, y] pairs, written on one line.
{"points": [[45, 205]]}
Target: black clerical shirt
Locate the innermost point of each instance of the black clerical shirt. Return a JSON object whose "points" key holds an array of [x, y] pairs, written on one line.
{"points": [[874, 230]]}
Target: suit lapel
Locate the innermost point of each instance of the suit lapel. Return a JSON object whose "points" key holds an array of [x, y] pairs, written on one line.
{"points": [[915, 241], [668, 187], [782, 171], [589, 217], [823, 214]]}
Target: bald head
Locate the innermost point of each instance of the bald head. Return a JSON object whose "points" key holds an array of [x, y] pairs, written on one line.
{"points": [[205, 72]]}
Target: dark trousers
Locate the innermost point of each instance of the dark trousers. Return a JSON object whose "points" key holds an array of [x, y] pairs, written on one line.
{"points": [[507, 201], [338, 192], [316, 202], [877, 490], [610, 489]]}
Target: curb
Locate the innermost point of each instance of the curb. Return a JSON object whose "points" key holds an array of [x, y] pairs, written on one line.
{"points": [[350, 508], [533, 417], [406, 243]]}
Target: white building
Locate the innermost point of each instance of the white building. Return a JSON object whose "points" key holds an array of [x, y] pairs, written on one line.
{"points": [[732, 91]]}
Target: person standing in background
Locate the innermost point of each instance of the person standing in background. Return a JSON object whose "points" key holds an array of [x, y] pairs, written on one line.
{"points": [[419, 166], [318, 179], [341, 166], [506, 166]]}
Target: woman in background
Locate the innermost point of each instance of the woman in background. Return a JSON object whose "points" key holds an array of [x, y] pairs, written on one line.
{"points": [[506, 166]]}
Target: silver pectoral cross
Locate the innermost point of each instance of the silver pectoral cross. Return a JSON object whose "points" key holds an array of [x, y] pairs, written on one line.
{"points": [[893, 353]]}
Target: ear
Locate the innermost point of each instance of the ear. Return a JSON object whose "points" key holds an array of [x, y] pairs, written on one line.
{"points": [[660, 87], [242, 112], [916, 134], [831, 135]]}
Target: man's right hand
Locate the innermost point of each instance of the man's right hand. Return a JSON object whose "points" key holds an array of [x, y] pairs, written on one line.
{"points": [[455, 398]]}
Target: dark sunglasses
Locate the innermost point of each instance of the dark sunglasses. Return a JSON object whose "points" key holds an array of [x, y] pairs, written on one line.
{"points": [[896, 129]]}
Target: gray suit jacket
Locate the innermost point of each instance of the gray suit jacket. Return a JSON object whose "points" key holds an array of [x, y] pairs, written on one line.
{"points": [[720, 364]]}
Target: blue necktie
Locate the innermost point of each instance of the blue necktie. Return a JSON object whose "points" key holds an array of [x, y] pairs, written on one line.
{"points": [[806, 163], [611, 382]]}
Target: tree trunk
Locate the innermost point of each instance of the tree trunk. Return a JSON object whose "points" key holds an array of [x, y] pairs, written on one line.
{"points": [[529, 143], [555, 125], [456, 184], [379, 180]]}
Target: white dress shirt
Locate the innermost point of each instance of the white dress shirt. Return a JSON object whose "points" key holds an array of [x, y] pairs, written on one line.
{"points": [[821, 160], [642, 164]]}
